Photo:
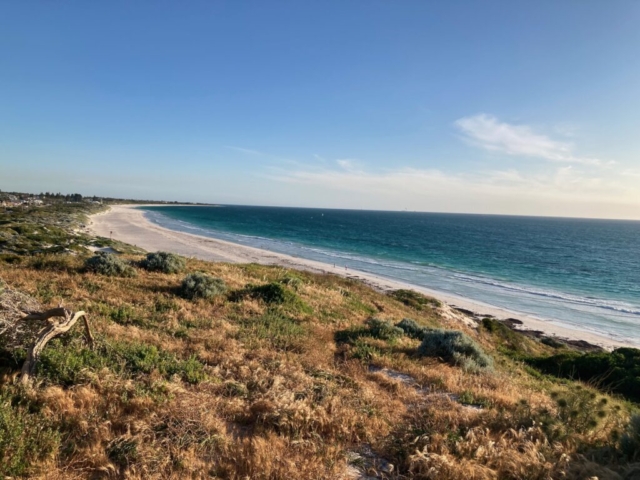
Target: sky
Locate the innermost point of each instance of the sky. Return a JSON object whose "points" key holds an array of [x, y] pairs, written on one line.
{"points": [[507, 107]]}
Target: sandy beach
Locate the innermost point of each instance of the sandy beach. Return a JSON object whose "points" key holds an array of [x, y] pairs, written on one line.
{"points": [[128, 224]]}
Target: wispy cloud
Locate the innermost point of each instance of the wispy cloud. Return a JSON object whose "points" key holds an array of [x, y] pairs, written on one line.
{"points": [[560, 181], [248, 151], [349, 165], [487, 132], [568, 190]]}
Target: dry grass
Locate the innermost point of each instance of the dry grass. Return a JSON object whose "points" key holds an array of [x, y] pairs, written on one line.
{"points": [[245, 389]]}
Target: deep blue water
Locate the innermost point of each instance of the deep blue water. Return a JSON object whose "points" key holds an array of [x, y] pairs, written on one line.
{"points": [[580, 272]]}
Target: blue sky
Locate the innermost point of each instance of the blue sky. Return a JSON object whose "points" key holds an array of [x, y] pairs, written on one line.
{"points": [[490, 107]]}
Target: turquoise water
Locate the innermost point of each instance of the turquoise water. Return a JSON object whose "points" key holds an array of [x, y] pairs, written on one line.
{"points": [[582, 273]]}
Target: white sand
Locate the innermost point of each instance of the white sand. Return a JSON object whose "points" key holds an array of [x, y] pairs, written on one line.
{"points": [[128, 224]]}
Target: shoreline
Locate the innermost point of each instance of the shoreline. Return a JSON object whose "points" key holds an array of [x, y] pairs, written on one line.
{"points": [[128, 224]]}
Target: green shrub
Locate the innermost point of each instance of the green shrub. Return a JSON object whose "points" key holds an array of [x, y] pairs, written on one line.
{"points": [[456, 348], [630, 440], [110, 265], [414, 299], [232, 388], [579, 410], [281, 331], [164, 305], [64, 363], [163, 262], [126, 315], [383, 329], [56, 263], [374, 328], [617, 371], [364, 351], [123, 451], [552, 342], [292, 281], [505, 336], [11, 258], [467, 398], [273, 294], [412, 329], [350, 335], [268, 293], [25, 437], [200, 285]]}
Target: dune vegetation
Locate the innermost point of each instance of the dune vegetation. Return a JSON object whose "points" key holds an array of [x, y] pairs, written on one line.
{"points": [[274, 374]]}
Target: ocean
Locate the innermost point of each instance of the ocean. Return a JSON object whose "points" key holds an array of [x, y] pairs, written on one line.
{"points": [[580, 273]]}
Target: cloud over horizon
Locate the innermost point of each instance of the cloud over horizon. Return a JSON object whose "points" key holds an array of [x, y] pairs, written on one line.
{"points": [[487, 132], [572, 189]]}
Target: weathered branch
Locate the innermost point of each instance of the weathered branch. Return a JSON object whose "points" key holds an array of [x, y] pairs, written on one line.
{"points": [[87, 330], [47, 314], [48, 333]]}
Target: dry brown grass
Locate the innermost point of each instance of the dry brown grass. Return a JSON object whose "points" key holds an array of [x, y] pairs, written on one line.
{"points": [[285, 400]]}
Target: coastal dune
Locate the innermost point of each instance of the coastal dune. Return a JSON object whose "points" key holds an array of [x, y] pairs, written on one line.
{"points": [[128, 224]]}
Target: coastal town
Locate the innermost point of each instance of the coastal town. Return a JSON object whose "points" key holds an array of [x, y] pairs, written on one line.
{"points": [[16, 199]]}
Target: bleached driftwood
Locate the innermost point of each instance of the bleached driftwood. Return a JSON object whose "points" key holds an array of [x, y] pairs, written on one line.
{"points": [[51, 331]]}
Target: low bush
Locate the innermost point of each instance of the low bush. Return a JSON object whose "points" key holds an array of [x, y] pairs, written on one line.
{"points": [[127, 315], [110, 265], [25, 437], [373, 328], [617, 371], [510, 340], [630, 440], [122, 451], [552, 342], [11, 258], [414, 299], [56, 263], [364, 351], [200, 285], [383, 330], [64, 363], [579, 409], [456, 348], [412, 329], [273, 294], [268, 293], [281, 331], [292, 281], [163, 262]]}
